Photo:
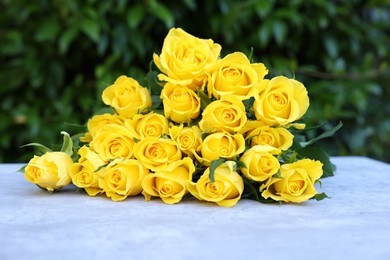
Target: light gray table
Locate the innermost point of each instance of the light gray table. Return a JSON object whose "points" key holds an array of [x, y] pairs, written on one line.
{"points": [[353, 224]]}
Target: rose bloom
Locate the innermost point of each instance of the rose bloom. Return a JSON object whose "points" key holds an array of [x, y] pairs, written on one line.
{"points": [[122, 178], [260, 162], [97, 121], [187, 138], [169, 184], [181, 104], [281, 102], [220, 145], [260, 134], [127, 96], [149, 125], [226, 190], [51, 171], [184, 59], [113, 141], [296, 184], [235, 75], [227, 114], [85, 171], [156, 153]]}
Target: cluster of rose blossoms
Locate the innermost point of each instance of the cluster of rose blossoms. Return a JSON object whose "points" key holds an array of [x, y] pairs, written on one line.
{"points": [[222, 129]]}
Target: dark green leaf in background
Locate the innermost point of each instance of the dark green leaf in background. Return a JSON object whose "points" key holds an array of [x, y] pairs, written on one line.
{"points": [[58, 56]]}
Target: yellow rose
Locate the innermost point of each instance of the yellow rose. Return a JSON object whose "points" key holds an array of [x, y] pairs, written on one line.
{"points": [[227, 114], [296, 184], [184, 59], [226, 189], [122, 178], [170, 183], [156, 153], [260, 134], [149, 125], [85, 171], [220, 145], [113, 141], [260, 162], [50, 171], [96, 122], [187, 138], [181, 104], [281, 102], [235, 75], [127, 96]]}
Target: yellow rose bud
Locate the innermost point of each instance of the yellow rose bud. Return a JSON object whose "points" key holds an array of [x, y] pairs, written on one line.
{"points": [[181, 104], [260, 134], [113, 141], [156, 153], [227, 114], [260, 162], [235, 75], [281, 102], [96, 122], [150, 125], [220, 145], [226, 189], [169, 184], [127, 96], [122, 178], [187, 138], [296, 184], [184, 59], [84, 174], [50, 171]]}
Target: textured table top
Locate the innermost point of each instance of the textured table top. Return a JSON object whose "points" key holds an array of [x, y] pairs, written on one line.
{"points": [[353, 224]]}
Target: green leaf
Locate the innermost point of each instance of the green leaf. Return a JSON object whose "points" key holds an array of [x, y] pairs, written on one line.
{"points": [[153, 84], [191, 4], [264, 33], [321, 196], [162, 12], [279, 30], [278, 174], [67, 38], [293, 157], [91, 29], [48, 30], [12, 43], [204, 135], [326, 134], [248, 103], [252, 189], [204, 99], [67, 145], [250, 56], [156, 102], [135, 16], [316, 153], [100, 167], [263, 7], [331, 46], [214, 165], [241, 164], [40, 147], [22, 169]]}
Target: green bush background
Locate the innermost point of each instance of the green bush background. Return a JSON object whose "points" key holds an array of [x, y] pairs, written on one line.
{"points": [[57, 57]]}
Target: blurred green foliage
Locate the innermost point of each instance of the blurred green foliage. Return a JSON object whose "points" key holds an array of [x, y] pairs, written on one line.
{"points": [[57, 56]]}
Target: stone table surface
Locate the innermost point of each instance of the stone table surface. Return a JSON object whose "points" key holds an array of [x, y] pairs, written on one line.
{"points": [[353, 224]]}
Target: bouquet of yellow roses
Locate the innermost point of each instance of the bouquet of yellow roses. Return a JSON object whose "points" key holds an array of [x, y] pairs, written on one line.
{"points": [[202, 126]]}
